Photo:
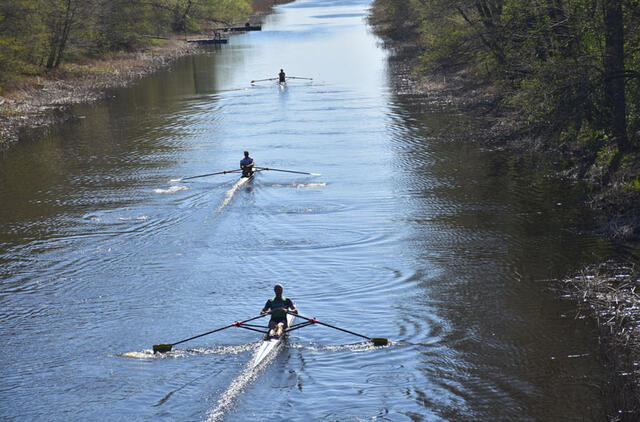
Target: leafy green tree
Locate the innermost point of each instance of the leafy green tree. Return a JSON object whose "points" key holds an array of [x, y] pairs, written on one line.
{"points": [[61, 17], [38, 35], [185, 14], [21, 37], [570, 68], [120, 25]]}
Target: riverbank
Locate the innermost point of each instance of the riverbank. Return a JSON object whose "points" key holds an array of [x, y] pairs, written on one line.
{"points": [[44, 100], [605, 292], [614, 189]]}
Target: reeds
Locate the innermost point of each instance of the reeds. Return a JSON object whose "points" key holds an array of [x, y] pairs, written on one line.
{"points": [[610, 294]]}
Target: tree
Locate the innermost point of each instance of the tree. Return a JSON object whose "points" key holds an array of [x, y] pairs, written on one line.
{"points": [[21, 37], [61, 17], [614, 73]]}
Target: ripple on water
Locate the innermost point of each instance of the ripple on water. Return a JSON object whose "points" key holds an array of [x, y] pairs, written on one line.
{"points": [[177, 353]]}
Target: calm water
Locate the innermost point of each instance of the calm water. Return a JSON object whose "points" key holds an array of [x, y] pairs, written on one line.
{"points": [[411, 233]]}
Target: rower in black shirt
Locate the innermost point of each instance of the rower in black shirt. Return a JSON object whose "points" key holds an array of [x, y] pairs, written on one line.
{"points": [[278, 307]]}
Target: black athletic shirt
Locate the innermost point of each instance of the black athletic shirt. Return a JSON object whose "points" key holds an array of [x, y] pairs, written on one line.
{"points": [[276, 304]]}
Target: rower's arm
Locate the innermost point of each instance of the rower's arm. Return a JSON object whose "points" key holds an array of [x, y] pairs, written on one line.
{"points": [[265, 310], [293, 308]]}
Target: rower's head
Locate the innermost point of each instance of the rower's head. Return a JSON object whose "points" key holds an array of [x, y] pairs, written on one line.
{"points": [[278, 289], [281, 70], [246, 153]]}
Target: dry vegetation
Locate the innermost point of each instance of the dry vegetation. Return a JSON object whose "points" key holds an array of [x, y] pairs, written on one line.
{"points": [[610, 294]]}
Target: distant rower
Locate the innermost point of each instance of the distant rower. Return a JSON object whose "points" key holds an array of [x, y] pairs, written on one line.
{"points": [[282, 76], [246, 164], [278, 307]]}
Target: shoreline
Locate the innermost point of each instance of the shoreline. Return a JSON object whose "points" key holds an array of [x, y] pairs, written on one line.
{"points": [[604, 292], [615, 196], [44, 100]]}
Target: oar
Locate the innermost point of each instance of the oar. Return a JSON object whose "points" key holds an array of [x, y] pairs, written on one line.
{"points": [[289, 171], [262, 80], [377, 341], [296, 77], [161, 348], [208, 174]]}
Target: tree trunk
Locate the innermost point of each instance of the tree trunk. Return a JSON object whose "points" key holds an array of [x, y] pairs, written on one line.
{"points": [[614, 78], [65, 34], [60, 34], [53, 50]]}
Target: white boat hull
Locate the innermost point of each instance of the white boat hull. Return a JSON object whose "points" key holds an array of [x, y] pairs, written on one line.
{"points": [[236, 186], [267, 346]]}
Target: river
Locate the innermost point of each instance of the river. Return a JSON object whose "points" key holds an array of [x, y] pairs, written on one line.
{"points": [[410, 233]]}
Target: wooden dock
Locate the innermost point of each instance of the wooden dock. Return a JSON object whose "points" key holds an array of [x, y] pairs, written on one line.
{"points": [[245, 28], [210, 41]]}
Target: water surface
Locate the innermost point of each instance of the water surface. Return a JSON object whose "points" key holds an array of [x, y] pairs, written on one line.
{"points": [[411, 233]]}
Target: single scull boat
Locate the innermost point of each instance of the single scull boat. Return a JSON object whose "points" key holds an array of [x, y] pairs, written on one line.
{"points": [[244, 180], [270, 343], [255, 170]]}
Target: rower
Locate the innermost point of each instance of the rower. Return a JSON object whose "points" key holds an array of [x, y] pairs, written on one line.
{"points": [[278, 307], [282, 76], [246, 164]]}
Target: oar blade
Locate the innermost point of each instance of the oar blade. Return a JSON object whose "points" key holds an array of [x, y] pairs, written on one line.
{"points": [[379, 341], [162, 348]]}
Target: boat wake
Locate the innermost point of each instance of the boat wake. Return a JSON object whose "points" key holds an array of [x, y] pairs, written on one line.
{"points": [[237, 386], [228, 196], [355, 347], [172, 189], [183, 353], [311, 185]]}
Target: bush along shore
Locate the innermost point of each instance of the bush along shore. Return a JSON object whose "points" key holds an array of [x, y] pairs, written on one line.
{"points": [[561, 77], [556, 79], [56, 55]]}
